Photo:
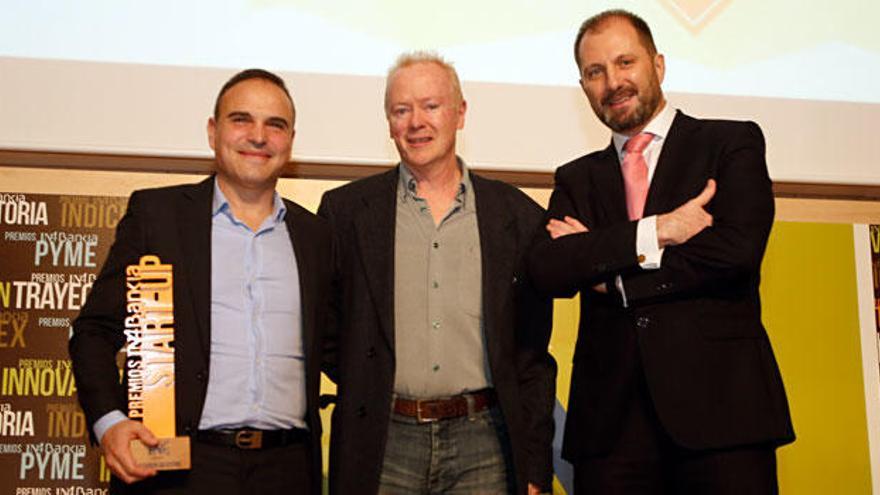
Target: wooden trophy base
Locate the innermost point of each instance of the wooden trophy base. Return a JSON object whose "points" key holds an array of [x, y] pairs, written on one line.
{"points": [[171, 454]]}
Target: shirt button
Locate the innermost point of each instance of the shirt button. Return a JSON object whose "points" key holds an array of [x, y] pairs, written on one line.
{"points": [[435, 324], [436, 245], [436, 368], [436, 284]]}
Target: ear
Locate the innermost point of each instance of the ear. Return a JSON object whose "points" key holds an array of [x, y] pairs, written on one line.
{"points": [[292, 135], [212, 129], [660, 66], [462, 109]]}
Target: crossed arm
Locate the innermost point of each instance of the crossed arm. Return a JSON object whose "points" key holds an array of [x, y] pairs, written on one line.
{"points": [[714, 238], [673, 228]]}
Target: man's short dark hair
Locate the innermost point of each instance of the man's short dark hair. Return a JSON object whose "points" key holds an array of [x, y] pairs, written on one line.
{"points": [[595, 23], [252, 74]]}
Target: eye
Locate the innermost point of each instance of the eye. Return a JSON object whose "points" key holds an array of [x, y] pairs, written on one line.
{"points": [[593, 73], [277, 124], [399, 111]]}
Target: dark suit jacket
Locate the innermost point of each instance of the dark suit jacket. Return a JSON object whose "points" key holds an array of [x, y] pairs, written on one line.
{"points": [[517, 324], [175, 224], [694, 325]]}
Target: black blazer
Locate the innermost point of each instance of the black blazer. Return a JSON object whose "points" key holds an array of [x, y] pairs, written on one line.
{"points": [[517, 324], [694, 325], [175, 224]]}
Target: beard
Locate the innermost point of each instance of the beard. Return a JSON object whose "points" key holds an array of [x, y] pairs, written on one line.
{"points": [[622, 122]]}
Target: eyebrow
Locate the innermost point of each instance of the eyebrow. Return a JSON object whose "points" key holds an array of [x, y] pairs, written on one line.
{"points": [[234, 114]]}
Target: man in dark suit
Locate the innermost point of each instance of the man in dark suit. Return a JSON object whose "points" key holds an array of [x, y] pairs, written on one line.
{"points": [[445, 381], [251, 286], [674, 386]]}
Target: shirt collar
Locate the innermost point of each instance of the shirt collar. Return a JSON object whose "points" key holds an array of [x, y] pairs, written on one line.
{"points": [[658, 126], [219, 204], [407, 185]]}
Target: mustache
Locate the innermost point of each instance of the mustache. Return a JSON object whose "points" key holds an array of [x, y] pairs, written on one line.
{"points": [[622, 92]]}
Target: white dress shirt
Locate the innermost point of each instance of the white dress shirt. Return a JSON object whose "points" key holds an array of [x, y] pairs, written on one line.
{"points": [[646, 230]]}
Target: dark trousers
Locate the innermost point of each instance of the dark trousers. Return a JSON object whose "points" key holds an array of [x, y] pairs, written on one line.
{"points": [[225, 470], [645, 460]]}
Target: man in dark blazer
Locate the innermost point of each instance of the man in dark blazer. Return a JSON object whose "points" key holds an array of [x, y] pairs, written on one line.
{"points": [[674, 386], [251, 286], [444, 378]]}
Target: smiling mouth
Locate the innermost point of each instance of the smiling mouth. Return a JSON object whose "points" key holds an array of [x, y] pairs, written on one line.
{"points": [[619, 98], [419, 141], [255, 154]]}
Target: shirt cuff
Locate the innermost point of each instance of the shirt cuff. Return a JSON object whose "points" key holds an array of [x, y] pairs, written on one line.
{"points": [[647, 248], [106, 421]]}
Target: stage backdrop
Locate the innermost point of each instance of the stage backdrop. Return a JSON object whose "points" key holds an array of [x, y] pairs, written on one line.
{"points": [[819, 308], [51, 247]]}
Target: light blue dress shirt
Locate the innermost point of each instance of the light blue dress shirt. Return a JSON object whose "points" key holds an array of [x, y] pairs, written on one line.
{"points": [[257, 362], [257, 370]]}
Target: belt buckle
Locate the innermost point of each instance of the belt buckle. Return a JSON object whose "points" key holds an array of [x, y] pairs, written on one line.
{"points": [[248, 439], [419, 417]]}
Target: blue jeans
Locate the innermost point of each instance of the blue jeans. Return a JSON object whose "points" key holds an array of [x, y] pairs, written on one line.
{"points": [[466, 455]]}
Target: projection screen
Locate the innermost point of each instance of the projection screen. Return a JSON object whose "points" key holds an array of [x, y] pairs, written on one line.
{"points": [[140, 77]]}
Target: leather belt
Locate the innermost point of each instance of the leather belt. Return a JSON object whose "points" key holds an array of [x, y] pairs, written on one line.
{"points": [[252, 439], [427, 410]]}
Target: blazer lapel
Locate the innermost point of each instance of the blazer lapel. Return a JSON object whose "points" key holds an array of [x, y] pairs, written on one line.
{"points": [[195, 244], [666, 175], [375, 225], [497, 253], [611, 191], [306, 259]]}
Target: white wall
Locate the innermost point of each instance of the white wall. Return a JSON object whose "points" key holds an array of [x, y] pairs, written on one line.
{"points": [[162, 110]]}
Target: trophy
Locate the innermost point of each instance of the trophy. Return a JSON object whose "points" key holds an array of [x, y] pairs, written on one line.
{"points": [[149, 363]]}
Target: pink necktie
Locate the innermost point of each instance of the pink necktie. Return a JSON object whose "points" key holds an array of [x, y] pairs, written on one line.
{"points": [[635, 174]]}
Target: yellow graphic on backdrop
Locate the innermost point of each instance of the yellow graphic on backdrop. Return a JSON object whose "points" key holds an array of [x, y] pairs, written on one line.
{"points": [[695, 14]]}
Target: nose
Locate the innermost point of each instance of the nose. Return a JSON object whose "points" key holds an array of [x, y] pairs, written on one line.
{"points": [[613, 78], [257, 135], [417, 119]]}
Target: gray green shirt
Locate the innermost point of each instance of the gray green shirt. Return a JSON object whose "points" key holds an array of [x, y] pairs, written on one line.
{"points": [[439, 340]]}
